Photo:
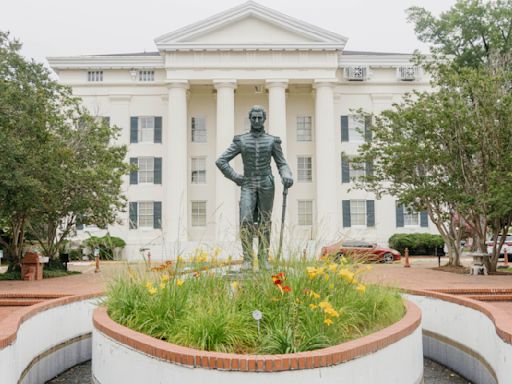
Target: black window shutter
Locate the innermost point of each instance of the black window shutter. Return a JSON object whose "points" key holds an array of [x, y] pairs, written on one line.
{"points": [[344, 128], [369, 168], [157, 214], [424, 218], [345, 170], [133, 215], [158, 129], [370, 213], [134, 175], [157, 178], [368, 128], [134, 129], [106, 120], [399, 214], [346, 213]]}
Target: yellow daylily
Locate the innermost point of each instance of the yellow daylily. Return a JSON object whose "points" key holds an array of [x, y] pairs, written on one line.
{"points": [[179, 282], [328, 322], [361, 288]]}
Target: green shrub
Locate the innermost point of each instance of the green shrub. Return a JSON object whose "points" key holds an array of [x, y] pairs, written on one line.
{"points": [[106, 245], [418, 243], [304, 307]]}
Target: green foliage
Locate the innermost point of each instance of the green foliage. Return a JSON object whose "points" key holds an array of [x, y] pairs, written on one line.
{"points": [[469, 33], [60, 161], [213, 312], [106, 245], [47, 274], [418, 243]]}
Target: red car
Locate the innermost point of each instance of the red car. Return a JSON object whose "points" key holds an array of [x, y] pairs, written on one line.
{"points": [[361, 251]]}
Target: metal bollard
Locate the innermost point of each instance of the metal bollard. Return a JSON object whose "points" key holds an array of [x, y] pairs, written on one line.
{"points": [[406, 254]]}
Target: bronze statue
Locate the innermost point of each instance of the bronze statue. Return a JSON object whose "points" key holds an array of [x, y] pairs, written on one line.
{"points": [[257, 194]]}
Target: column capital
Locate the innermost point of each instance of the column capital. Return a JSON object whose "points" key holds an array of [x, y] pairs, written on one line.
{"points": [[276, 83], [224, 83], [317, 83], [177, 84]]}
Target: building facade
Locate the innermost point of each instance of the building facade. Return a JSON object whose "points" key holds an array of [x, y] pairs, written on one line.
{"points": [[179, 108]]}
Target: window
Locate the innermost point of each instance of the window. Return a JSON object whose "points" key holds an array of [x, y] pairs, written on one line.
{"points": [[410, 216], [357, 170], [198, 130], [358, 212], [356, 129], [94, 76], [407, 73], [304, 168], [198, 169], [146, 129], [304, 128], [198, 213], [305, 210], [145, 214], [146, 75], [146, 169]]}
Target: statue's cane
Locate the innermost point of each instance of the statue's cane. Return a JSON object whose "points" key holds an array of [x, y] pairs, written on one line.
{"points": [[280, 250]]}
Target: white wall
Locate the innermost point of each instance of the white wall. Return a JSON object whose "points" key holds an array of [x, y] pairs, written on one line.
{"points": [[399, 363], [43, 331]]}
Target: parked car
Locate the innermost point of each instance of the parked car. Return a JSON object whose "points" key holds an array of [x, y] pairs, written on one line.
{"points": [[359, 250], [507, 246]]}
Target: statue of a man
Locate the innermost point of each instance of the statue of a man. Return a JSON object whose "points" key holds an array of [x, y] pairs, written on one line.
{"points": [[257, 194]]}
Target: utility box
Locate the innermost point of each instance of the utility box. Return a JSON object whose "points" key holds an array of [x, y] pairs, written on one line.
{"points": [[31, 267]]}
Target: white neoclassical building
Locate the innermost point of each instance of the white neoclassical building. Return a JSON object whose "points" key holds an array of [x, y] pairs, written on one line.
{"points": [[180, 106]]}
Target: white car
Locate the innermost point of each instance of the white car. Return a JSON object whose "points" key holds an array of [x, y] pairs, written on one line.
{"points": [[507, 246]]}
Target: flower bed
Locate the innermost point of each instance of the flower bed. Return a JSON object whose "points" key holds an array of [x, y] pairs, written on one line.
{"points": [[303, 307]]}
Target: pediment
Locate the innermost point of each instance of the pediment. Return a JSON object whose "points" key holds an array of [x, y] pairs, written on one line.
{"points": [[250, 26]]}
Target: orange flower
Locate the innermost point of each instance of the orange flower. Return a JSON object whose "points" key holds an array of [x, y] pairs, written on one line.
{"points": [[279, 278], [286, 289]]}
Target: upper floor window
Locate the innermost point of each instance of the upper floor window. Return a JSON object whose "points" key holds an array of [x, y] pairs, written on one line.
{"points": [[95, 76], [146, 129], [145, 75], [356, 73], [149, 170], [199, 133], [198, 170], [355, 128], [304, 168], [358, 213], [352, 171], [304, 132]]}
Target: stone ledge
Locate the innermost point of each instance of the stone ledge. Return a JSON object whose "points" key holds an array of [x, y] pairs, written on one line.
{"points": [[259, 363]]}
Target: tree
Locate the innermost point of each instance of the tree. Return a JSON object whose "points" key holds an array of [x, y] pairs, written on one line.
{"points": [[470, 33], [450, 152], [57, 159]]}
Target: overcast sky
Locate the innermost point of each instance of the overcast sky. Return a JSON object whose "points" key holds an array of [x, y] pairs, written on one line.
{"points": [[74, 27]]}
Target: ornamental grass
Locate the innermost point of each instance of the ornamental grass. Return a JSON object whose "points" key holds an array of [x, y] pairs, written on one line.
{"points": [[304, 306]]}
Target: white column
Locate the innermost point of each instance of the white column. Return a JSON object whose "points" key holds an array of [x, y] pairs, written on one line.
{"points": [[176, 196], [276, 125], [325, 161], [225, 190]]}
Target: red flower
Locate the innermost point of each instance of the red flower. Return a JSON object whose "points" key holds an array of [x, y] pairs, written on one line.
{"points": [[286, 289]]}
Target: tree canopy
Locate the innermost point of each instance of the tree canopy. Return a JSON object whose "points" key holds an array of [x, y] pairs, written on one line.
{"points": [[59, 163]]}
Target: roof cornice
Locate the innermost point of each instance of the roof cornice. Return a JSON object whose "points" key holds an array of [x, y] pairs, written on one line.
{"points": [[84, 62], [180, 39], [375, 60]]}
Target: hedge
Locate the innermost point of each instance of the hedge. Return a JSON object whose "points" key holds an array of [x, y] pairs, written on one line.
{"points": [[418, 243]]}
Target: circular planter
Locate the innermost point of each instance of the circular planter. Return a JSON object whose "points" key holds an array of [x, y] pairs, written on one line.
{"points": [[392, 355]]}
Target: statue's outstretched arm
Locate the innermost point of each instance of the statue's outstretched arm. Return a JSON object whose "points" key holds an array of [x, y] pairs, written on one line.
{"points": [[224, 159]]}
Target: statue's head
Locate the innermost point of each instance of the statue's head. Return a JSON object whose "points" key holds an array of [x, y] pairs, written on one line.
{"points": [[257, 116]]}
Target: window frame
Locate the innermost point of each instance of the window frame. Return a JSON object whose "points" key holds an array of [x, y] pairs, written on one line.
{"points": [[194, 168], [362, 203], [303, 214], [304, 129], [141, 139], [146, 215], [196, 218], [149, 172], [199, 134], [301, 172]]}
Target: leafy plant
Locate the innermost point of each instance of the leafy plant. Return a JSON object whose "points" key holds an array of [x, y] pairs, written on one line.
{"points": [[105, 244], [305, 306], [417, 243]]}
